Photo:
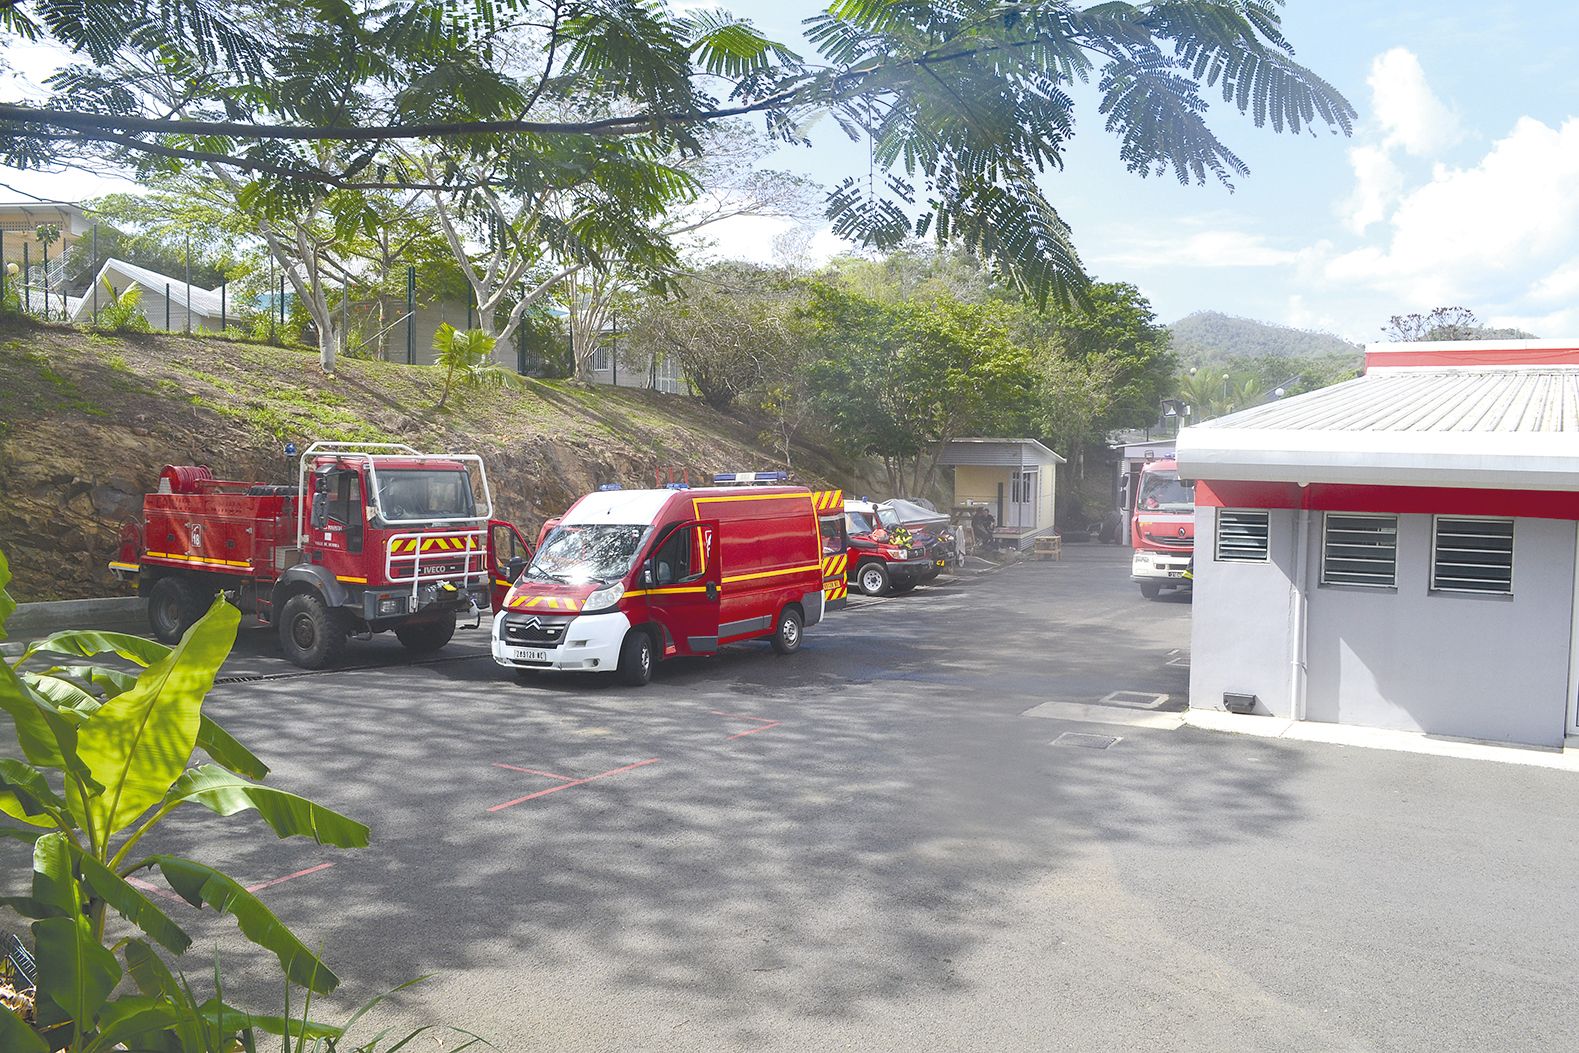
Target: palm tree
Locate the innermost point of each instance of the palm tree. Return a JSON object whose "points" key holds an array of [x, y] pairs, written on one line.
{"points": [[463, 355]]}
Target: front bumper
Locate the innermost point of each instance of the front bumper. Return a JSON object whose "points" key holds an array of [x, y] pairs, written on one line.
{"points": [[1161, 567], [909, 569], [588, 643]]}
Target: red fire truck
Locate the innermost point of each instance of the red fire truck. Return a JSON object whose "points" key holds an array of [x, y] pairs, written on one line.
{"points": [[388, 539], [1162, 528], [628, 577]]}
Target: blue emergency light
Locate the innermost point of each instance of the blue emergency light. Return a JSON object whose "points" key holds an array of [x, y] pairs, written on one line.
{"points": [[677, 486], [750, 477], [606, 487]]}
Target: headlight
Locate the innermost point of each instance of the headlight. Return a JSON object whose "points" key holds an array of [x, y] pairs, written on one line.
{"points": [[391, 605], [603, 599]]}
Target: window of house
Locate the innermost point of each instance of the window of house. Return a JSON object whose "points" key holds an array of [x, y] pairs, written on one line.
{"points": [[1472, 555], [1242, 536], [1359, 550], [600, 360]]}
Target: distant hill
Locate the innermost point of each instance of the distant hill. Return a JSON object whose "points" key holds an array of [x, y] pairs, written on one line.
{"points": [[1274, 355], [1208, 336]]}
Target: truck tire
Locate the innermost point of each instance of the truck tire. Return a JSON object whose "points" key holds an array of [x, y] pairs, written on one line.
{"points": [[311, 635], [426, 637], [871, 578], [174, 604], [1150, 589], [637, 657], [787, 634]]}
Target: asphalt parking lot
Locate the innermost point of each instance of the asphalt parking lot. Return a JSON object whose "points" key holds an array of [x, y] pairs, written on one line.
{"points": [[869, 845]]}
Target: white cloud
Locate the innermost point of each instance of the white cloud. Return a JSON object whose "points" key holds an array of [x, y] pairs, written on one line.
{"points": [[1510, 218], [1410, 114], [1561, 285], [1208, 248], [1377, 184]]}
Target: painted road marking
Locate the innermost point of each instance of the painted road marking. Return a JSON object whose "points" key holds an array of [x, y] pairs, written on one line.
{"points": [[566, 784], [764, 721], [159, 890]]}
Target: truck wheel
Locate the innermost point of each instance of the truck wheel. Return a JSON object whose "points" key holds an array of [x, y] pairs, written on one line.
{"points": [[637, 657], [174, 604], [787, 637], [426, 637], [1150, 589], [312, 635], [872, 578]]}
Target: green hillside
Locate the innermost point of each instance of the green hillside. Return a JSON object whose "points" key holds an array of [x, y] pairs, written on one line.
{"points": [[87, 421], [1272, 354]]}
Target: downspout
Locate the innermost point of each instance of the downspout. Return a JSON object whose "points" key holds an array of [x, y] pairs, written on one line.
{"points": [[1297, 614]]}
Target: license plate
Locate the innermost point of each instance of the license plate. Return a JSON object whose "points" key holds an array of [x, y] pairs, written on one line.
{"points": [[1175, 573], [526, 654], [942, 563]]}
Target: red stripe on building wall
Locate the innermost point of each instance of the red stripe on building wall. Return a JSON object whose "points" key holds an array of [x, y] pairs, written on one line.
{"points": [[1545, 356], [1406, 500]]}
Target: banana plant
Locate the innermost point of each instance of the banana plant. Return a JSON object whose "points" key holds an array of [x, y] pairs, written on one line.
{"points": [[107, 756]]}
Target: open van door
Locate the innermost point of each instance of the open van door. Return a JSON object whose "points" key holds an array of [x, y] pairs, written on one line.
{"points": [[508, 556], [683, 578]]}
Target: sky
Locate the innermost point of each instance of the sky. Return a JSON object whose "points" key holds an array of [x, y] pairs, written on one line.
{"points": [[1460, 185]]}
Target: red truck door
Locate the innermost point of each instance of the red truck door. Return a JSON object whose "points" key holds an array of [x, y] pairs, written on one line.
{"points": [[505, 546], [685, 582]]}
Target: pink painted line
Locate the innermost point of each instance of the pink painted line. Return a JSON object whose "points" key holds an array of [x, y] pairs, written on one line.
{"points": [[148, 886], [753, 731], [764, 721], [568, 785], [534, 771], [281, 880]]}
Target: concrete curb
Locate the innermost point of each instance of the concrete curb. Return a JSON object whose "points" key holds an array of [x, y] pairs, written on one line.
{"points": [[1381, 739], [31, 621]]}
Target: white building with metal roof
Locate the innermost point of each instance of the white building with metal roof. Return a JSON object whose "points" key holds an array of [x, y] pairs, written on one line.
{"points": [[167, 302], [1400, 550]]}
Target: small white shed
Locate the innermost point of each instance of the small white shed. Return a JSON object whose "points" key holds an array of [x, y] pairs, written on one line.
{"points": [[1016, 479]]}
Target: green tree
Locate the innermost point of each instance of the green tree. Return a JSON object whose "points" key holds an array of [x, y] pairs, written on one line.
{"points": [[1446, 323], [965, 105], [897, 381], [464, 358]]}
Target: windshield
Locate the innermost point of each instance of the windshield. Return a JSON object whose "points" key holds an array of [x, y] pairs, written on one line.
{"points": [[858, 522], [425, 493], [594, 552], [887, 516], [1166, 492]]}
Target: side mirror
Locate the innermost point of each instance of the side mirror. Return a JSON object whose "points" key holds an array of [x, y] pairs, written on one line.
{"points": [[646, 576], [320, 513], [515, 568], [321, 483]]}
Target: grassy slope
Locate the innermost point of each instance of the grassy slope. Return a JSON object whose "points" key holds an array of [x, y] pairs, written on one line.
{"points": [[86, 422]]}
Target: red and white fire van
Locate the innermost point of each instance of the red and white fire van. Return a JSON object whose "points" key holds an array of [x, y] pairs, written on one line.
{"points": [[628, 577]]}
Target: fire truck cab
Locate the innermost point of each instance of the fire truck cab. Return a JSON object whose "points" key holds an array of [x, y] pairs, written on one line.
{"points": [[1162, 529], [373, 537]]}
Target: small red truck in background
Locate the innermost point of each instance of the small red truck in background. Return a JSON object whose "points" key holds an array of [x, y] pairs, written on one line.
{"points": [[387, 539], [626, 578], [1162, 529]]}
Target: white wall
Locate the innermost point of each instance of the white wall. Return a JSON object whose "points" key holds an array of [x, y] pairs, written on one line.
{"points": [[1484, 667], [1239, 634], [1468, 666]]}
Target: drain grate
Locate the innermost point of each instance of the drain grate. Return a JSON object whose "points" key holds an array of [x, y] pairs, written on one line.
{"points": [[1085, 740], [1135, 699]]}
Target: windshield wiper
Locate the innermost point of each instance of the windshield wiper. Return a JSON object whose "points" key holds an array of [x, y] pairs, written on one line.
{"points": [[534, 574]]}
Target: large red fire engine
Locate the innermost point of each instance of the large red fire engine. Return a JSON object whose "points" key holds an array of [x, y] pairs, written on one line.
{"points": [[1162, 529], [388, 539]]}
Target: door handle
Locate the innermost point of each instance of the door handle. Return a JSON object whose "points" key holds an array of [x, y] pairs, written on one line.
{"points": [[712, 590]]}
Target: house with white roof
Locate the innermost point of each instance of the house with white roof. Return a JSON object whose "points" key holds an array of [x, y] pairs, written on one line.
{"points": [[1016, 480], [1397, 551], [204, 308]]}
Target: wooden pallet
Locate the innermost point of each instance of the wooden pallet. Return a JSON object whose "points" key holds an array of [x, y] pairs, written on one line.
{"points": [[1048, 547]]}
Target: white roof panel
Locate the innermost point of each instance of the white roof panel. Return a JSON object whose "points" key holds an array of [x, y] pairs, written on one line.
{"points": [[1514, 426]]}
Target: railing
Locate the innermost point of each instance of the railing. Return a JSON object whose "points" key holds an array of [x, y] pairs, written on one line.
{"points": [[440, 549]]}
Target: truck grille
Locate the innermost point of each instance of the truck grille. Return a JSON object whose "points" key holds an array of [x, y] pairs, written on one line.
{"points": [[534, 630], [1184, 544]]}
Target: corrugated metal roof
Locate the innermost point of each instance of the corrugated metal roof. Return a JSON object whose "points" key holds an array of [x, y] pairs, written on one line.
{"points": [[1513, 400], [997, 452], [205, 302]]}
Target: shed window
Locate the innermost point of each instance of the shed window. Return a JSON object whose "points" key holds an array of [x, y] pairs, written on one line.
{"points": [[1360, 550], [1472, 555], [1242, 536]]}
